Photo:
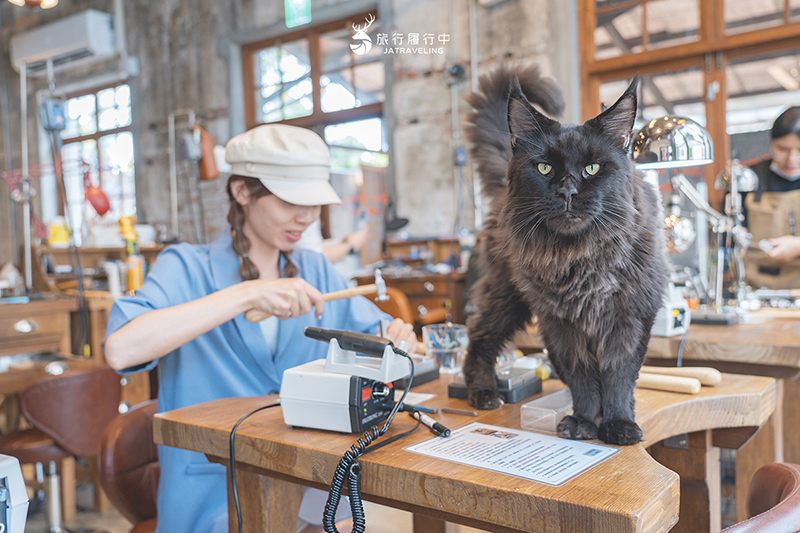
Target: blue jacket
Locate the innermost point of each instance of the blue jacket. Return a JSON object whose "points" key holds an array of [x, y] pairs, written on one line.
{"points": [[230, 360]]}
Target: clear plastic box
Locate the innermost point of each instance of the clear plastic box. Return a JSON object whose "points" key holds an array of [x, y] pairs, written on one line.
{"points": [[544, 414]]}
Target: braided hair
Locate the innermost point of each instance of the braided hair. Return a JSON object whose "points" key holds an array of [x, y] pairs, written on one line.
{"points": [[241, 244]]}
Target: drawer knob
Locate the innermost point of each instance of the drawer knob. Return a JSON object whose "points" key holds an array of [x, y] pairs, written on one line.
{"points": [[429, 286], [422, 310], [26, 326]]}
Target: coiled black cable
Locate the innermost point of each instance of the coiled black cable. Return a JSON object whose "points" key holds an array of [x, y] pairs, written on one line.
{"points": [[348, 470]]}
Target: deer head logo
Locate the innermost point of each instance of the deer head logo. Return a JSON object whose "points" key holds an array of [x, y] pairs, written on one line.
{"points": [[361, 41]]}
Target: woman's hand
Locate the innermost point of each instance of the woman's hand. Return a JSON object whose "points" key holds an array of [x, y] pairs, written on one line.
{"points": [[785, 248], [399, 331], [284, 297]]}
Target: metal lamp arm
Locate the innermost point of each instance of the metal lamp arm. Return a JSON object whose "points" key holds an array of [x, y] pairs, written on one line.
{"points": [[683, 184]]}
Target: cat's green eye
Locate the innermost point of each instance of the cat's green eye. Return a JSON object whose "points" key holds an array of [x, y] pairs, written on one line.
{"points": [[592, 169], [544, 168]]}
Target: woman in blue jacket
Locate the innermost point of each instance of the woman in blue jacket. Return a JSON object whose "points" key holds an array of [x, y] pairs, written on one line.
{"points": [[187, 319]]}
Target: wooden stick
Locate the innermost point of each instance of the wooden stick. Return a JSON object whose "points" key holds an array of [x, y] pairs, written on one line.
{"points": [[254, 315], [668, 383], [706, 375]]}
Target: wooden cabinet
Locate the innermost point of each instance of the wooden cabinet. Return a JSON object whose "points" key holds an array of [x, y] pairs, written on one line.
{"points": [[431, 295], [37, 326]]}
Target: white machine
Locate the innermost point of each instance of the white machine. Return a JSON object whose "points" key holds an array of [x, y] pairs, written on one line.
{"points": [[350, 390], [13, 496], [674, 316]]}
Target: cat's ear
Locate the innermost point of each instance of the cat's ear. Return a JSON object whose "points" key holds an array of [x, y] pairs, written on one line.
{"points": [[617, 121], [522, 116]]}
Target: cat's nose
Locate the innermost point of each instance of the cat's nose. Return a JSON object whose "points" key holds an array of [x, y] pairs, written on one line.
{"points": [[566, 192]]}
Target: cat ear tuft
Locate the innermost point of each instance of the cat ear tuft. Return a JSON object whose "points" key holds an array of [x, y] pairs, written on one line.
{"points": [[617, 121], [522, 116]]}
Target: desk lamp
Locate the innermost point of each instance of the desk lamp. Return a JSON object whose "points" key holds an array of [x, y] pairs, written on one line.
{"points": [[672, 142]]}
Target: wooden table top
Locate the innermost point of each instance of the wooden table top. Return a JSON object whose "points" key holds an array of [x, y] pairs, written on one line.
{"points": [[767, 337], [628, 492]]}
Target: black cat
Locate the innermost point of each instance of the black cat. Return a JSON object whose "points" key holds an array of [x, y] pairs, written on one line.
{"points": [[574, 241]]}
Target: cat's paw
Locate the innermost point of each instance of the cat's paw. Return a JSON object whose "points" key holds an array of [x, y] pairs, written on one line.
{"points": [[620, 431], [485, 399], [572, 427]]}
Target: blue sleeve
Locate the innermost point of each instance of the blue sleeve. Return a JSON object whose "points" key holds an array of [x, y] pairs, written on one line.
{"points": [[176, 277]]}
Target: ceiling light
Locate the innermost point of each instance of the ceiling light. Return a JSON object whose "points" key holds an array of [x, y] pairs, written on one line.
{"points": [[44, 4]]}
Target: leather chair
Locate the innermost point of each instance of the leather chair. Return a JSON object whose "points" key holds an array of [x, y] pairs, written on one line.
{"points": [[129, 469], [69, 413], [397, 305], [773, 501]]}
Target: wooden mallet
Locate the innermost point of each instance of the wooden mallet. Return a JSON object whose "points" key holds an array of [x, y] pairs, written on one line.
{"points": [[379, 287]]}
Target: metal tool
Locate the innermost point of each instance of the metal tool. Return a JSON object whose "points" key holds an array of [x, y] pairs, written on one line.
{"points": [[379, 287], [350, 390]]}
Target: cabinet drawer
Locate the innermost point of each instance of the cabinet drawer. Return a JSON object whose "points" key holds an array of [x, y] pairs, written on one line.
{"points": [[33, 332], [420, 287]]}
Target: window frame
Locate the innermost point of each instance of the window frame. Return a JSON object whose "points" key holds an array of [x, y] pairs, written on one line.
{"points": [[711, 52], [317, 118]]}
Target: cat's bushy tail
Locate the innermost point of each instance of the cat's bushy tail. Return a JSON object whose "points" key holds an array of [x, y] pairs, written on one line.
{"points": [[487, 125]]}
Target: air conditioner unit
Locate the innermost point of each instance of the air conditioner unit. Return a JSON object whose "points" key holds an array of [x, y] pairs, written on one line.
{"points": [[73, 41]]}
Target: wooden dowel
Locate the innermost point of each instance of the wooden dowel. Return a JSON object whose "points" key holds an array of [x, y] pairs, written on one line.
{"points": [[254, 315], [706, 375], [668, 383]]}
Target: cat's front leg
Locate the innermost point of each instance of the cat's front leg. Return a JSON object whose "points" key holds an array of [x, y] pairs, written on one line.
{"points": [[622, 359], [578, 369], [501, 313]]}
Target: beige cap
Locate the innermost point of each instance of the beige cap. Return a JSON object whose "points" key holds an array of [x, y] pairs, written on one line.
{"points": [[292, 162]]}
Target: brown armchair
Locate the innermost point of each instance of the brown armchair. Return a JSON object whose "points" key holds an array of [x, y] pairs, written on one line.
{"points": [[129, 468], [773, 501], [69, 413]]}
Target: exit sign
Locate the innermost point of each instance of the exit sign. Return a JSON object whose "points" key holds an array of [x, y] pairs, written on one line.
{"points": [[298, 12]]}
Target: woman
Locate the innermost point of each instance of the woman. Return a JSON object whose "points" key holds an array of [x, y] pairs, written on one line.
{"points": [[781, 173], [188, 316]]}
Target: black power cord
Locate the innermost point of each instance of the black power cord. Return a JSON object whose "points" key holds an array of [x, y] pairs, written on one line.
{"points": [[348, 470], [232, 452]]}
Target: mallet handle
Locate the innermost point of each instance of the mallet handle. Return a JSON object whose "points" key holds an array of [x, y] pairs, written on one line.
{"points": [[706, 375], [254, 315], [663, 382]]}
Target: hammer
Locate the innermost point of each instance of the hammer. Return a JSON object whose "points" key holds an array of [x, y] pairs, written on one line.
{"points": [[254, 315]]}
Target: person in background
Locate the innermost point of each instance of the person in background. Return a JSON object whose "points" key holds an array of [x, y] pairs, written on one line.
{"points": [[781, 173], [334, 249], [188, 320]]}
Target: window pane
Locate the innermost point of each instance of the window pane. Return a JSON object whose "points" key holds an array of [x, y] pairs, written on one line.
{"points": [[747, 15], [794, 10], [673, 93], [80, 117], [353, 88], [116, 173], [337, 92], [335, 49], [284, 85], [618, 32], [664, 29], [113, 107], [759, 89], [356, 143]]}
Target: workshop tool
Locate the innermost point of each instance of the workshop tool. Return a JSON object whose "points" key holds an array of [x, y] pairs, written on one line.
{"points": [[350, 390], [706, 375], [379, 287], [667, 383]]}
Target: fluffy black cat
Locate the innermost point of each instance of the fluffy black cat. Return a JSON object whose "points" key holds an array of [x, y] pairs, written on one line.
{"points": [[574, 240]]}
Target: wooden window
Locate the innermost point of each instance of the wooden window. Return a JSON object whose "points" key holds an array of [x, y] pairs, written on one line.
{"points": [[732, 65], [98, 134], [316, 76]]}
